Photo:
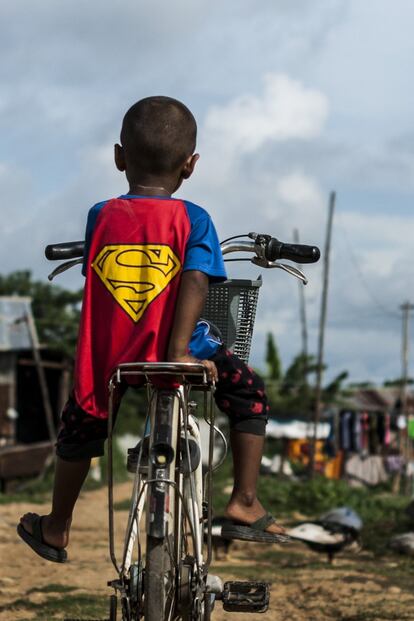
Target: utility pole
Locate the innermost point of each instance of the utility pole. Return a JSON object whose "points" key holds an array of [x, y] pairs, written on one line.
{"points": [[406, 308], [302, 310], [322, 323]]}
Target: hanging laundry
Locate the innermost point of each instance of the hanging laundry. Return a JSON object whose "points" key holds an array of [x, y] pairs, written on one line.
{"points": [[365, 470]]}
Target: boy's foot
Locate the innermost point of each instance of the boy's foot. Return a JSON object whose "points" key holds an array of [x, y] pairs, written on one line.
{"points": [[248, 514], [44, 537], [256, 532]]}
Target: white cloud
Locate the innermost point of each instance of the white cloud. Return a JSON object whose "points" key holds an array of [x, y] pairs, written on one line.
{"points": [[298, 189], [285, 110], [381, 243], [16, 210]]}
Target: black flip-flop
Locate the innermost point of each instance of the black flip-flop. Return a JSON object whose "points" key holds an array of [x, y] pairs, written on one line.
{"points": [[35, 541], [254, 532]]}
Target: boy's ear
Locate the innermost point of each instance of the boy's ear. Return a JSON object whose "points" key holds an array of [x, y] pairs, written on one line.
{"points": [[189, 166], [119, 157]]}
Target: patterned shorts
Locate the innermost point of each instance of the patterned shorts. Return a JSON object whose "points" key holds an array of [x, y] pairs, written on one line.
{"points": [[240, 394]]}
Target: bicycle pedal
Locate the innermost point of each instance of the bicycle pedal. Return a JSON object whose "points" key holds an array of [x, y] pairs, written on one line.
{"points": [[245, 596]]}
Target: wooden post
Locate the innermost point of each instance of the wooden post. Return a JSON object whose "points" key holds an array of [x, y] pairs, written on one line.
{"points": [[322, 323], [406, 308], [41, 375], [302, 308]]}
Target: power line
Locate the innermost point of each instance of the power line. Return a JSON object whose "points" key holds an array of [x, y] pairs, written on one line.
{"points": [[361, 275]]}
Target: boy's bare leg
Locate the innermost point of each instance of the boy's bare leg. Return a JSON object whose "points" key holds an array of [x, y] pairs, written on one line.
{"points": [[69, 478], [244, 506]]}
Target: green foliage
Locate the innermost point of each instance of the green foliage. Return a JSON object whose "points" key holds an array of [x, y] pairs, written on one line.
{"points": [[292, 393], [400, 381], [120, 473], [272, 359], [296, 376], [56, 310], [75, 605], [364, 384], [332, 390], [132, 412]]}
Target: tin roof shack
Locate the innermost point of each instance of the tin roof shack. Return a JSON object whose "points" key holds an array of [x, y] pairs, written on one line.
{"points": [[33, 387]]}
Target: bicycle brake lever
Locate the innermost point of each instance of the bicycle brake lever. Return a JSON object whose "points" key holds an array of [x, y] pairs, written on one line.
{"points": [[294, 271], [63, 267]]}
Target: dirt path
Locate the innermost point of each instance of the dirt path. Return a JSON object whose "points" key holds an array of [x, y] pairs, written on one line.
{"points": [[304, 587]]}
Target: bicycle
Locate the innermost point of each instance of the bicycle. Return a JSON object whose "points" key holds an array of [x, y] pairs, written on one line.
{"points": [[171, 581]]}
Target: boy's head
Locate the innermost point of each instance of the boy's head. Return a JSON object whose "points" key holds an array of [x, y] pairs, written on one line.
{"points": [[158, 139]]}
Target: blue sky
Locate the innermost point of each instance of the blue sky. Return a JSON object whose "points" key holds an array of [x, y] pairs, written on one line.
{"points": [[293, 99]]}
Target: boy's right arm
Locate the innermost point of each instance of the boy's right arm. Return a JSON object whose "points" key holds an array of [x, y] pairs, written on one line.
{"points": [[191, 297]]}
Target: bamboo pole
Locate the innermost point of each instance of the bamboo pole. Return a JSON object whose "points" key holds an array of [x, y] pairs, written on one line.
{"points": [[321, 340]]}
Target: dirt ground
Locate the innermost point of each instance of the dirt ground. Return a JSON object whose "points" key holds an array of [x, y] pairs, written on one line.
{"points": [[304, 587]]}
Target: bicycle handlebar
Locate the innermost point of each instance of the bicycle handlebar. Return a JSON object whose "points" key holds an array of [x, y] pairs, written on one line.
{"points": [[271, 249], [265, 246], [65, 251]]}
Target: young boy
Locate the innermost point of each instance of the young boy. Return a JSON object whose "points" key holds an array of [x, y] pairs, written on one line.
{"points": [[149, 259]]}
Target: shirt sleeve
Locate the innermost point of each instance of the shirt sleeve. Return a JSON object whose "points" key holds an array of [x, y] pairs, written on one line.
{"points": [[203, 252], [90, 225]]}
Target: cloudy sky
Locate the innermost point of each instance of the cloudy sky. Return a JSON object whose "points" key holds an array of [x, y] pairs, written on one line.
{"points": [[294, 98]]}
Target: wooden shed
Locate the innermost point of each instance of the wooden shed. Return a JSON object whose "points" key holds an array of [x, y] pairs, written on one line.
{"points": [[34, 385]]}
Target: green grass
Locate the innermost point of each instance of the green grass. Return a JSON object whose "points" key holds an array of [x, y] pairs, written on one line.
{"points": [[374, 614], [36, 491], [381, 512], [53, 588], [78, 605], [122, 505]]}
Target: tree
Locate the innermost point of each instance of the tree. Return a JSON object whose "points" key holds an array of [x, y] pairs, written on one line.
{"points": [[296, 376], [56, 310], [292, 394], [400, 381], [272, 359]]}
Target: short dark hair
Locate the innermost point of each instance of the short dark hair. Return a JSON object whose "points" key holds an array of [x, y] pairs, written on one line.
{"points": [[158, 134]]}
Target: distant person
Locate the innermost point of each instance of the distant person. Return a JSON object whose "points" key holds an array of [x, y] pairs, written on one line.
{"points": [[162, 253]]}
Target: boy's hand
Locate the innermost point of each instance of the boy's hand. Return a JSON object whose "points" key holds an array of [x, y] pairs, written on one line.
{"points": [[209, 365], [193, 292]]}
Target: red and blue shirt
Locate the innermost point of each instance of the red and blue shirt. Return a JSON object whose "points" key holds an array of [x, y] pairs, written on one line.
{"points": [[136, 250]]}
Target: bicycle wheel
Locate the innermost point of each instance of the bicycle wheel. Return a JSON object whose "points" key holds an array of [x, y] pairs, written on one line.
{"points": [[160, 558], [159, 581], [113, 604]]}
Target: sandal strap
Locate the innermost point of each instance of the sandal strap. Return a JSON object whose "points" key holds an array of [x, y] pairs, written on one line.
{"points": [[37, 528], [264, 522]]}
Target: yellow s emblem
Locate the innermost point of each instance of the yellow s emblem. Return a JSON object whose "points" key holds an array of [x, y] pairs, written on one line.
{"points": [[136, 274]]}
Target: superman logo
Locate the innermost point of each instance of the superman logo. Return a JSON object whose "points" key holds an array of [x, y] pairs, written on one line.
{"points": [[136, 274]]}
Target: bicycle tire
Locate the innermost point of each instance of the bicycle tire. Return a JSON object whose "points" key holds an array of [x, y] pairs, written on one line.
{"points": [[158, 572], [113, 605], [208, 608]]}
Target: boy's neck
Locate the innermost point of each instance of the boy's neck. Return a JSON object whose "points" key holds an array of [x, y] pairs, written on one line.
{"points": [[149, 190]]}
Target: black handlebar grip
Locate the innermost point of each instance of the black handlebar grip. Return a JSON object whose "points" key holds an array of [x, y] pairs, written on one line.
{"points": [[273, 249], [65, 251], [299, 253]]}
